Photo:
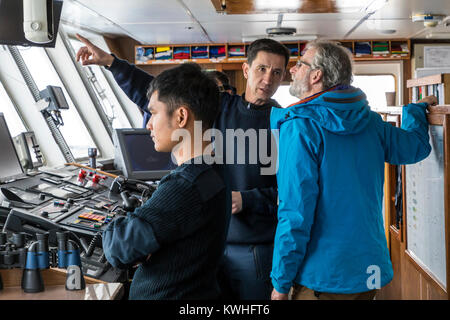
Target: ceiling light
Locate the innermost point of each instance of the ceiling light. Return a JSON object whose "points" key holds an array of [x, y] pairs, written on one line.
{"points": [[387, 31], [428, 19], [270, 4]]}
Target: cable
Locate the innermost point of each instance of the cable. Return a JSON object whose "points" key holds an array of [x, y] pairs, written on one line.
{"points": [[92, 244]]}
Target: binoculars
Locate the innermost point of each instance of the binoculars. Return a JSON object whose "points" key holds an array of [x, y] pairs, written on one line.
{"points": [[38, 256]]}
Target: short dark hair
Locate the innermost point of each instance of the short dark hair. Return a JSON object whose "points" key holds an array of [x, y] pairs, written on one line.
{"points": [[188, 85], [217, 75], [270, 46]]}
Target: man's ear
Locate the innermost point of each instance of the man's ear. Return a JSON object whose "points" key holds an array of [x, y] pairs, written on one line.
{"points": [[245, 68], [316, 76], [181, 116]]}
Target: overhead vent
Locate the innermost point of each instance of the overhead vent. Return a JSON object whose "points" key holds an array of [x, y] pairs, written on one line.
{"points": [[280, 33], [279, 30]]}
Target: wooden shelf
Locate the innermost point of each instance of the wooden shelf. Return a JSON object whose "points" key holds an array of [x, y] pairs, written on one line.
{"points": [[145, 54], [437, 85]]}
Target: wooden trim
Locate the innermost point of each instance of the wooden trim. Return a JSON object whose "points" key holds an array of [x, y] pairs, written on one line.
{"points": [[424, 81], [436, 119], [228, 59], [403, 233], [447, 197], [51, 277], [394, 232], [89, 168], [439, 109], [387, 202], [425, 272]]}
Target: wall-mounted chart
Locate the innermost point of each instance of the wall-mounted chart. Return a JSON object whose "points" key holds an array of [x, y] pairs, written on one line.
{"points": [[425, 208]]}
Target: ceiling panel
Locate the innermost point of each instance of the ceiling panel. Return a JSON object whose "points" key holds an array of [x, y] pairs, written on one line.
{"points": [[181, 21], [138, 11], [158, 33]]}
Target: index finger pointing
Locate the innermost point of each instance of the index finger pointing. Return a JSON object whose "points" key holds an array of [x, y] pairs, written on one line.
{"points": [[84, 40]]}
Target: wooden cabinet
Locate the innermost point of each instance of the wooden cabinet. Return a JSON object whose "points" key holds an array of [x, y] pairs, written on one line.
{"points": [[237, 52], [419, 245]]}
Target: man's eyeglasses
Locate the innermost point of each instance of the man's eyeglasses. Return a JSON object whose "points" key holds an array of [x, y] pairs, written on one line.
{"points": [[300, 62]]}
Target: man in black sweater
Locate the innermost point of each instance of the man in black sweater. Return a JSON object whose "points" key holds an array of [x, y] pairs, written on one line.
{"points": [[179, 234], [244, 122]]}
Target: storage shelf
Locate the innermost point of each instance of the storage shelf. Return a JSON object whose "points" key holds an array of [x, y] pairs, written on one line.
{"points": [[145, 54], [437, 85]]}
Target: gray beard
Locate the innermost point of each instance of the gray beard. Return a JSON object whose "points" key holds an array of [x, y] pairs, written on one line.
{"points": [[299, 87]]}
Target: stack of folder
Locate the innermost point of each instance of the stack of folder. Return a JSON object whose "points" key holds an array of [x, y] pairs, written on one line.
{"points": [[217, 51], [181, 53], [199, 52], [163, 53], [236, 51], [362, 48]]}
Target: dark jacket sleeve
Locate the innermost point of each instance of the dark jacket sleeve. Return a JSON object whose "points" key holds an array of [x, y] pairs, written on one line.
{"points": [[133, 81], [173, 211], [261, 201], [128, 240]]}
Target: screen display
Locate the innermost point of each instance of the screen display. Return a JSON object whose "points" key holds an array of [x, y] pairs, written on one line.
{"points": [[9, 162], [60, 99], [143, 156], [11, 23]]}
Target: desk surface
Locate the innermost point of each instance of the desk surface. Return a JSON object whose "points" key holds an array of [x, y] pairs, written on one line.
{"points": [[98, 291]]}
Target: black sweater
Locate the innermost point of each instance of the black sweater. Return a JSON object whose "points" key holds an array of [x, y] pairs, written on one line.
{"points": [[256, 223], [183, 226]]}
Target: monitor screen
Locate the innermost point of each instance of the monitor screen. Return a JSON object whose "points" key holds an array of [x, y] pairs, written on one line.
{"points": [[11, 24], [9, 161], [60, 99], [137, 158]]}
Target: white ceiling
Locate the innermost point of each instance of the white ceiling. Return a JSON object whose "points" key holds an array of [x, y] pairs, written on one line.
{"points": [[196, 21]]}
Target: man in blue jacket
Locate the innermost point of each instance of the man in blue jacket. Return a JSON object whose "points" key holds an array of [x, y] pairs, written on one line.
{"points": [[245, 269], [330, 242]]}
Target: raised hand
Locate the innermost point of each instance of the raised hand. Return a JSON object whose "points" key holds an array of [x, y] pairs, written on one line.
{"points": [[91, 54], [431, 100]]}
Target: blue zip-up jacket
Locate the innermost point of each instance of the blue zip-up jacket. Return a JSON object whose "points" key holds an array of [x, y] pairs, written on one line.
{"points": [[332, 150]]}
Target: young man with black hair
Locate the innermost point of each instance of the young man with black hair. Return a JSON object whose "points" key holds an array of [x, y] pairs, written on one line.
{"points": [[245, 270], [179, 234]]}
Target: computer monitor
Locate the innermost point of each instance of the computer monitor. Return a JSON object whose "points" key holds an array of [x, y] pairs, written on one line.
{"points": [[55, 96], [9, 161], [11, 24], [136, 157]]}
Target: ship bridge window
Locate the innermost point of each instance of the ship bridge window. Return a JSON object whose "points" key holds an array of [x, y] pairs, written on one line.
{"points": [[283, 97], [13, 119], [43, 72], [375, 88], [110, 105]]}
